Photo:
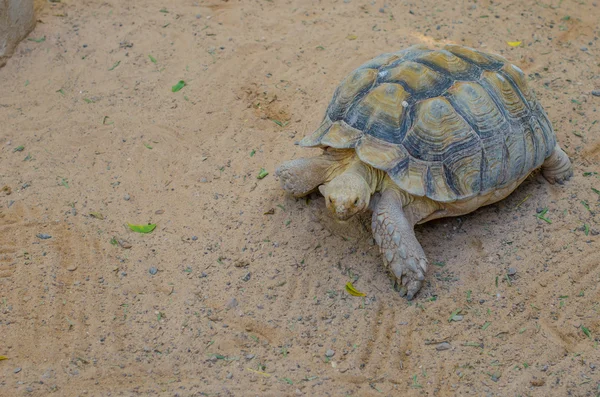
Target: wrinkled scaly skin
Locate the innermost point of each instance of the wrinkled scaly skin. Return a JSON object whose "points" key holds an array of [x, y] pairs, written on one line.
{"points": [[348, 186]]}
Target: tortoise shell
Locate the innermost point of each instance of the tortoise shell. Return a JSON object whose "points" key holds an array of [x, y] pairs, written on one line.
{"points": [[448, 124]]}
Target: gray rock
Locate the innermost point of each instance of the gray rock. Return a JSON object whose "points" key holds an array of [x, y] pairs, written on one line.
{"points": [[443, 346], [232, 303], [329, 353], [153, 270], [596, 92]]}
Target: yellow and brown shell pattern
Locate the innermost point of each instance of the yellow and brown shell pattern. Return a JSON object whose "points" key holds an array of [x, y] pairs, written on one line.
{"points": [[448, 124]]}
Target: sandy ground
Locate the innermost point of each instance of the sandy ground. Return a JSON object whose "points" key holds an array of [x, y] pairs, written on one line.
{"points": [[240, 289]]}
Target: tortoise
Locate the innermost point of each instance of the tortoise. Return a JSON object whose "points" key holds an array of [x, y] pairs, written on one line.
{"points": [[421, 134]]}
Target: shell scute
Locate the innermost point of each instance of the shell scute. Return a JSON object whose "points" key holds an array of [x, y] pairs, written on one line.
{"points": [[475, 105], [509, 99], [341, 136], [381, 154], [380, 113], [448, 63], [484, 61], [518, 78], [438, 131], [420, 80], [354, 86]]}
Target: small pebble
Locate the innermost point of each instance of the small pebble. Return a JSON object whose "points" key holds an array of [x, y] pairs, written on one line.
{"points": [[592, 366], [194, 238], [596, 92], [232, 303], [229, 375], [17, 370], [126, 197], [85, 46], [512, 271], [583, 48], [246, 277], [202, 275], [153, 270], [443, 346], [43, 236], [249, 356], [457, 317], [329, 353]]}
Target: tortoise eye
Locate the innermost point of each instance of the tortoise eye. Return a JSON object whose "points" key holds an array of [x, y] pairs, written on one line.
{"points": [[356, 202]]}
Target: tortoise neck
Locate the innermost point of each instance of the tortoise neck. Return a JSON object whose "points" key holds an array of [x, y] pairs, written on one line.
{"points": [[372, 176]]}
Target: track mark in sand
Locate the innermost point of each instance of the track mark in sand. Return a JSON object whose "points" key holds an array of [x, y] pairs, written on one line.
{"points": [[11, 228], [381, 352], [66, 248]]}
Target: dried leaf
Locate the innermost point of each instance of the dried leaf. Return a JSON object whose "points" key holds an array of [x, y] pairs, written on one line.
{"points": [[513, 43], [142, 228], [352, 37], [97, 215], [353, 291], [3, 358]]}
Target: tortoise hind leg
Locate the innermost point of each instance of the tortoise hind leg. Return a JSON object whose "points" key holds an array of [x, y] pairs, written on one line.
{"points": [[302, 176], [557, 168]]}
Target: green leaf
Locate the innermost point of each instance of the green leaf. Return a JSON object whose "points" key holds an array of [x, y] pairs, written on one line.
{"points": [[542, 217], [148, 146], [164, 10], [586, 331], [142, 228], [178, 86], [252, 153], [596, 191], [19, 148], [454, 313], [114, 66], [152, 59], [61, 91], [262, 173], [353, 291], [87, 100], [279, 123], [41, 39]]}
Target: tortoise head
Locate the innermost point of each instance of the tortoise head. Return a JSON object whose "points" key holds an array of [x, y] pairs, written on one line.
{"points": [[346, 195]]}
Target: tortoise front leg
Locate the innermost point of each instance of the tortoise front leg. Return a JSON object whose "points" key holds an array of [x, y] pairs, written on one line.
{"points": [[302, 176], [395, 235]]}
